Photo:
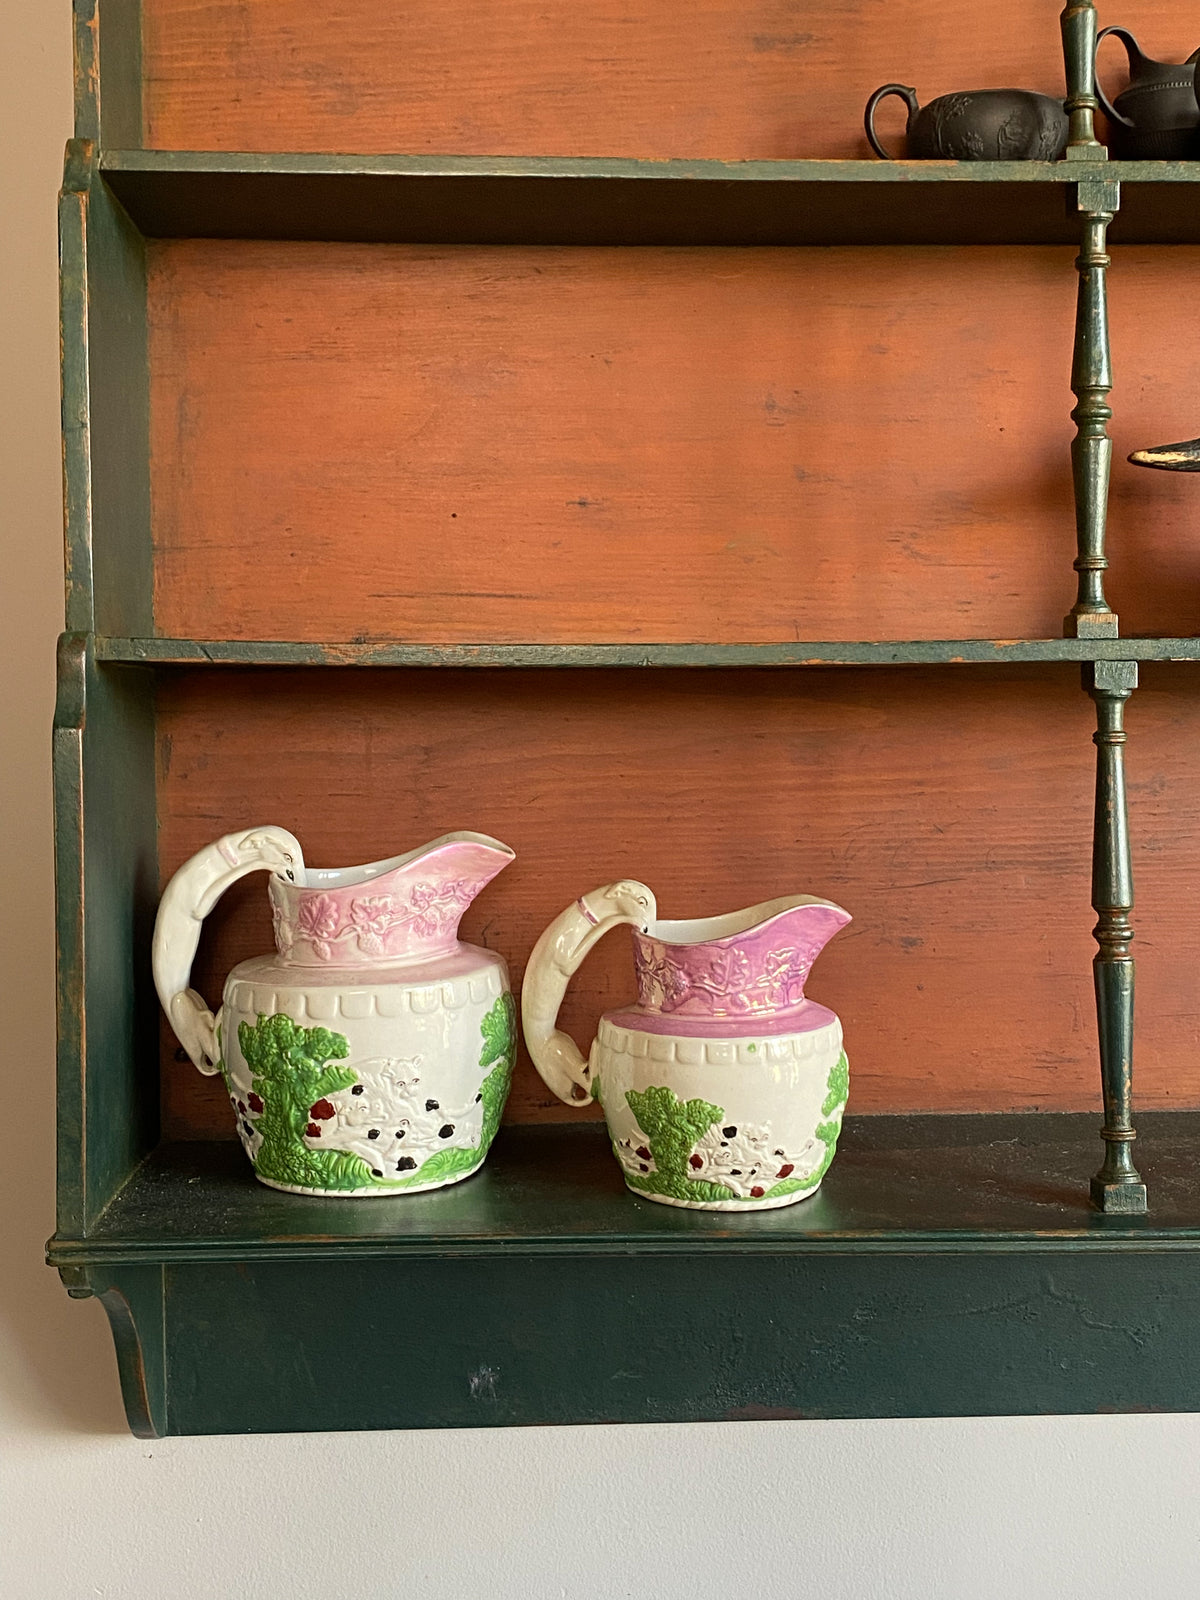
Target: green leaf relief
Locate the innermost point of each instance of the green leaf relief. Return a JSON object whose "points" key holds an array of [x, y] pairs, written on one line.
{"points": [[838, 1086], [596, 1089], [499, 1029], [292, 1067], [672, 1130]]}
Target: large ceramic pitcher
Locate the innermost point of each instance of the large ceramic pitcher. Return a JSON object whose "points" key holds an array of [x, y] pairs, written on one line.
{"points": [[722, 1085], [371, 1054]]}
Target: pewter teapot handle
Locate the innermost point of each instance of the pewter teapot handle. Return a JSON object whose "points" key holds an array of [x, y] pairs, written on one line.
{"points": [[909, 96], [1132, 49], [556, 958], [187, 900]]}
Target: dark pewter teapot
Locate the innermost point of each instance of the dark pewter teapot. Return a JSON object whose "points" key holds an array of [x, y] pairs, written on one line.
{"points": [[979, 125], [1156, 117]]}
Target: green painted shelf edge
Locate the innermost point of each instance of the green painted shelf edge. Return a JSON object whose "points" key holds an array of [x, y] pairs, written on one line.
{"points": [[542, 1292], [803, 653], [595, 200], [928, 1183]]}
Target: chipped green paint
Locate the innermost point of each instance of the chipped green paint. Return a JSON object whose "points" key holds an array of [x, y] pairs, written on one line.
{"points": [[802, 653]]}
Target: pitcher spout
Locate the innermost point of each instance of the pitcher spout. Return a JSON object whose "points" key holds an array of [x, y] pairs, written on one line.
{"points": [[406, 907], [750, 962], [811, 923]]}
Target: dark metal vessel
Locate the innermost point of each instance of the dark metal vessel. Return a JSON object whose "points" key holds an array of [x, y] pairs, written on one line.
{"points": [[977, 125], [1156, 117], [1183, 457]]}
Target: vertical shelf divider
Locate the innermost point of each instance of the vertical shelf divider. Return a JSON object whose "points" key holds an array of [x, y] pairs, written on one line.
{"points": [[1091, 617], [1118, 1185]]}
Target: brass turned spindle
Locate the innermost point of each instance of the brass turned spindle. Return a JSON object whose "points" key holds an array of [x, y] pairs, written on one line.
{"points": [[1117, 1187], [1079, 52], [1090, 617]]}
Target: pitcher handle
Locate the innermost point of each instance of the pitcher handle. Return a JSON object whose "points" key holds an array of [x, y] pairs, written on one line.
{"points": [[556, 958], [1132, 49], [188, 898], [909, 96]]}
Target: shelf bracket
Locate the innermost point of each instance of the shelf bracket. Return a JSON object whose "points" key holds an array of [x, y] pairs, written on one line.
{"points": [[1117, 1187]]}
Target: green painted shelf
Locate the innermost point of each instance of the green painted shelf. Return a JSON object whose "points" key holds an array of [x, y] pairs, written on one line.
{"points": [[950, 1266], [597, 201], [542, 1291], [940, 1180], [804, 653]]}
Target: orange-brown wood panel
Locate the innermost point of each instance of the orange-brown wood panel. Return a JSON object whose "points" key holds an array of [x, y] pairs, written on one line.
{"points": [[581, 445], [657, 78], [948, 809]]}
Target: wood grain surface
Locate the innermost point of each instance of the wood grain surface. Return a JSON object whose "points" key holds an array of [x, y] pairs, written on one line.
{"points": [[470, 444], [947, 809], [721, 78]]}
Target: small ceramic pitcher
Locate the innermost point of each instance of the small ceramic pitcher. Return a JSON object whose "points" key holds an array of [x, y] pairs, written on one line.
{"points": [[371, 1054], [723, 1086]]}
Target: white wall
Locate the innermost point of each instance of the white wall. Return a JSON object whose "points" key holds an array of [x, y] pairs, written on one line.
{"points": [[939, 1510]]}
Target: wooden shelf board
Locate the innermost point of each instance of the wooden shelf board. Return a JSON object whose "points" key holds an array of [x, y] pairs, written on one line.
{"points": [[805, 653], [598, 201], [950, 1266], [912, 1184]]}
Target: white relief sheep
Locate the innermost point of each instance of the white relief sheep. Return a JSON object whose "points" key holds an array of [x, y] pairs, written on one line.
{"points": [[388, 1121], [741, 1157], [247, 1106], [634, 1155]]}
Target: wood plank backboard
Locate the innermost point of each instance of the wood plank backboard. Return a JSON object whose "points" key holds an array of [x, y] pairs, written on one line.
{"points": [[722, 78], [946, 808], [472, 444]]}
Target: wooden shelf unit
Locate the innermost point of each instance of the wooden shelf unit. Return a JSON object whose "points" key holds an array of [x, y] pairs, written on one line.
{"points": [[952, 1263]]}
